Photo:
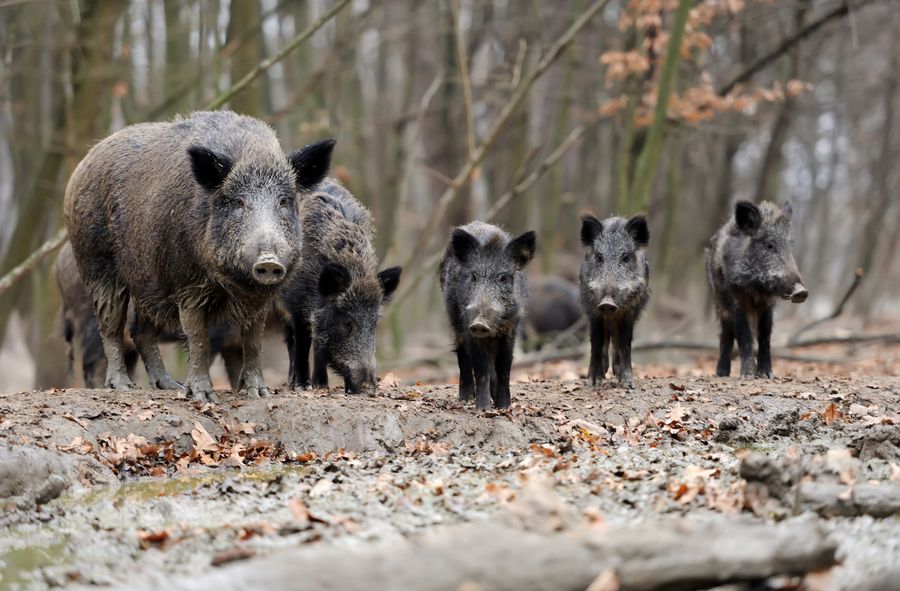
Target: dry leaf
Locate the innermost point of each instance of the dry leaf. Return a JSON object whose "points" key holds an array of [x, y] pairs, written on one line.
{"points": [[145, 415], [390, 380], [232, 555], [830, 414], [203, 441], [74, 419], [607, 580], [158, 539]]}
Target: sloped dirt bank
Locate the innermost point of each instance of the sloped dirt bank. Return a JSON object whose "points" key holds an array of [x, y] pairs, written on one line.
{"points": [[198, 487]]}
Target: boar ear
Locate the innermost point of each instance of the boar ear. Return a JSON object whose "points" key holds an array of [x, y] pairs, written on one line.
{"points": [[788, 210], [522, 248], [311, 163], [210, 168], [389, 280], [639, 231], [463, 244], [334, 279], [591, 227], [747, 216]]}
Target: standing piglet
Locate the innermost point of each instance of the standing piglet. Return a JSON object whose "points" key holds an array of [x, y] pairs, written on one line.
{"points": [[750, 265], [334, 297], [485, 292], [615, 288], [194, 220]]}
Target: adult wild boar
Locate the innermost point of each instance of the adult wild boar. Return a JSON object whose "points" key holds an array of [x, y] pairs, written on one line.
{"points": [[615, 289], [195, 220], [485, 293], [750, 265], [335, 295]]}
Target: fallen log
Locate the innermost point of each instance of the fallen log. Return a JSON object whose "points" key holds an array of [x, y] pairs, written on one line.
{"points": [[840, 500], [672, 555]]}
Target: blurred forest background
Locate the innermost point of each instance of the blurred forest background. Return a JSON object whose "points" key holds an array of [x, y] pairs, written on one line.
{"points": [[524, 112]]}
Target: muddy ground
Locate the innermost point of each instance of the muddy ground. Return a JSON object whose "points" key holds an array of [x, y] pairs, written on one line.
{"points": [[113, 488]]}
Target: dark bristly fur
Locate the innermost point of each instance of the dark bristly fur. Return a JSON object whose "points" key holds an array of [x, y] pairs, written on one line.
{"points": [[485, 293], [750, 265], [335, 295], [615, 288], [195, 221], [554, 306]]}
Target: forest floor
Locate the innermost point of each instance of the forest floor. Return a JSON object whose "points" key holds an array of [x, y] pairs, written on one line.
{"points": [[145, 487]]}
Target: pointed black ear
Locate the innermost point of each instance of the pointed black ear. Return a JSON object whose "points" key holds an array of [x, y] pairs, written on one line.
{"points": [[210, 168], [334, 279], [640, 232], [311, 163], [522, 248], [747, 216], [463, 244], [788, 210], [591, 227], [389, 279]]}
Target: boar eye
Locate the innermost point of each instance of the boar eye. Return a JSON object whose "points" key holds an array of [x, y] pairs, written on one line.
{"points": [[238, 203], [599, 258], [504, 278], [770, 245], [286, 202], [473, 276], [626, 258]]}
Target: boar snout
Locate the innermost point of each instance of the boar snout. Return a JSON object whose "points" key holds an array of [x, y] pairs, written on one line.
{"points": [[798, 294], [268, 271], [607, 306], [480, 328], [359, 379]]}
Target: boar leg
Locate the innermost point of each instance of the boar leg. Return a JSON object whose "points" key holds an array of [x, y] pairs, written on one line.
{"points": [[300, 359], [744, 335], [146, 338], [599, 352], [112, 309], [320, 368], [251, 375], [503, 368], [726, 344], [466, 375], [483, 367], [233, 357], [198, 385], [764, 336], [622, 353]]}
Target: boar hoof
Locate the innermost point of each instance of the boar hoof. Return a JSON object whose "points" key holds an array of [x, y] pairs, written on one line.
{"points": [[764, 374], [627, 384], [254, 386], [166, 382], [466, 395], [119, 382], [201, 391]]}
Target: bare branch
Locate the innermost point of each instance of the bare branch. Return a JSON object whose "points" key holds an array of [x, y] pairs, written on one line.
{"points": [[33, 260], [285, 51], [857, 280], [463, 60]]}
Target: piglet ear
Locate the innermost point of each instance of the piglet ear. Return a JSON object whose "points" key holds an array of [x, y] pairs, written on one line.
{"points": [[389, 279], [639, 231], [591, 227], [788, 210], [462, 244], [334, 279], [210, 168], [311, 163], [747, 216], [522, 248]]}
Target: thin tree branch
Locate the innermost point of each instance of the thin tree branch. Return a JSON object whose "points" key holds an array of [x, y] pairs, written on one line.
{"points": [[857, 281], [285, 51], [428, 266], [506, 112], [785, 45], [33, 260]]}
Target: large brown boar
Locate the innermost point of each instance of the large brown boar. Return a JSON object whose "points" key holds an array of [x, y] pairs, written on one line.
{"points": [[335, 295], [195, 220]]}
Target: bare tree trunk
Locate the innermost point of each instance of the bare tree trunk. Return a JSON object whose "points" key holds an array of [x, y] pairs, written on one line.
{"points": [[246, 13]]}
